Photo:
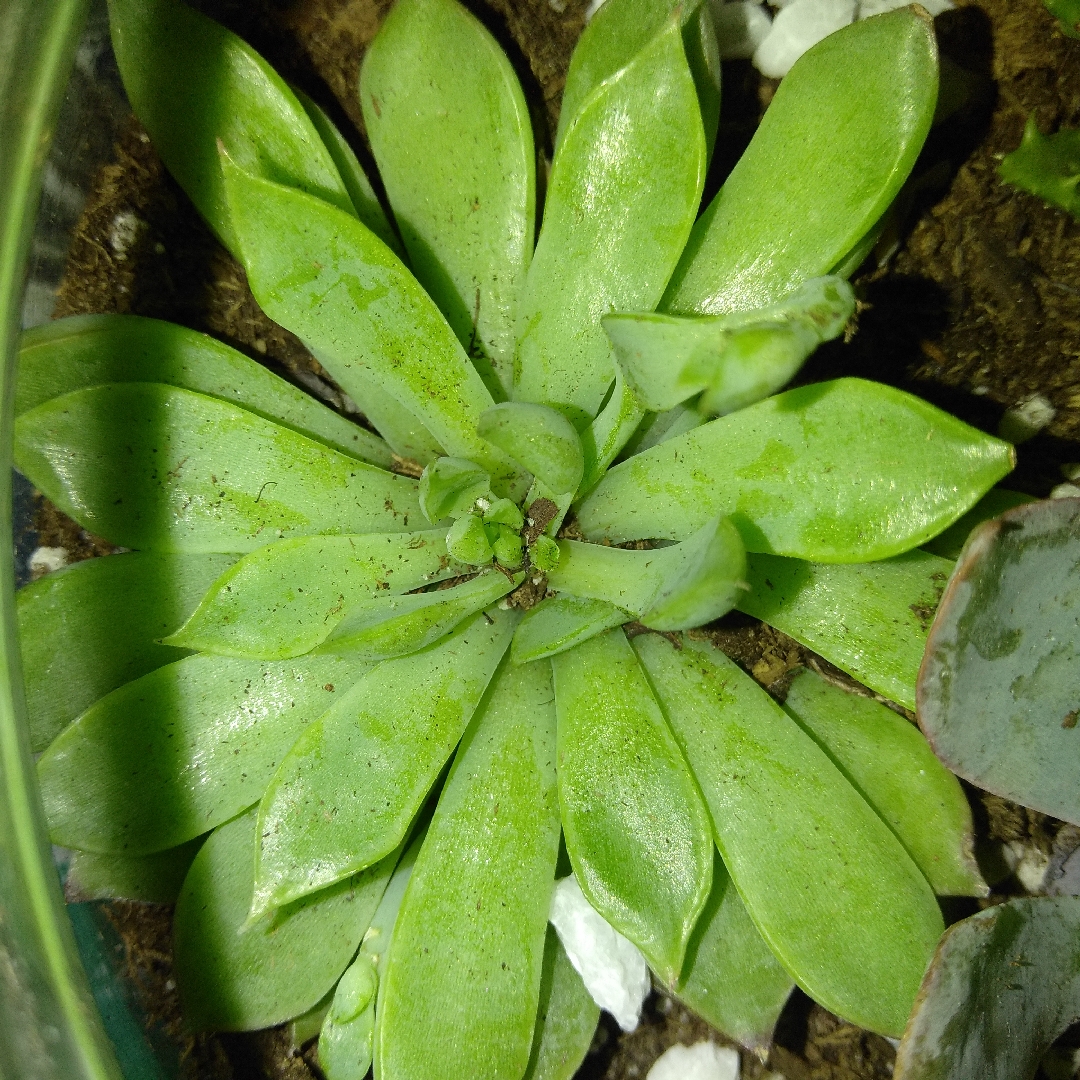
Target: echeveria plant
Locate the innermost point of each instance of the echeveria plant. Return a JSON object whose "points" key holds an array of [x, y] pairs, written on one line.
{"points": [[382, 674]]}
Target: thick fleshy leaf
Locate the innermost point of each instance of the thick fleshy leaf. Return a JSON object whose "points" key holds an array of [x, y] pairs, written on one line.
{"points": [[540, 440], [460, 991], [285, 598], [619, 30], [848, 120], [731, 978], [346, 793], [842, 471], [669, 588], [612, 429], [152, 879], [169, 756], [1003, 986], [998, 692], [636, 828], [737, 359], [560, 623], [364, 199], [869, 619], [996, 501], [152, 466], [450, 487], [88, 350], [1045, 165], [624, 190], [396, 625], [450, 130], [892, 766], [828, 885], [566, 1018], [91, 627], [338, 287], [234, 975], [193, 83]]}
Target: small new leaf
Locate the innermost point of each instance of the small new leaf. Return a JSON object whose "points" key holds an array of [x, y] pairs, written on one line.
{"points": [[1047, 165]]}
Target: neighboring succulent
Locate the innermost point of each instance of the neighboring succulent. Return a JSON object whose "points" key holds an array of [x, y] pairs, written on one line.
{"points": [[1047, 166], [307, 634]]}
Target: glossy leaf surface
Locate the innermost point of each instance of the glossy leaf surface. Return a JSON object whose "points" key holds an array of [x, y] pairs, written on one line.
{"points": [[731, 978], [619, 30], [827, 884], [1003, 986], [566, 1017], [89, 628], [193, 83], [450, 130], [635, 825], [669, 588], [560, 623], [364, 199], [146, 465], [338, 287], [238, 977], [998, 693], [892, 766], [88, 350], [738, 359], [539, 439], [886, 471], [395, 729], [624, 190], [285, 598], [347, 1038], [397, 625], [461, 987], [869, 619], [152, 879], [169, 756], [996, 501], [848, 120]]}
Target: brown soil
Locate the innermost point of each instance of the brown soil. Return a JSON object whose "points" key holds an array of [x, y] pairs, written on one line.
{"points": [[976, 309]]}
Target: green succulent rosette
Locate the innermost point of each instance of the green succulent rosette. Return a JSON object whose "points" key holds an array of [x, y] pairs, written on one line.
{"points": [[371, 675]]}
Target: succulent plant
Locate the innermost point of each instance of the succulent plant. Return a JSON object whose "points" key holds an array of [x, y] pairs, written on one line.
{"points": [[581, 457]]}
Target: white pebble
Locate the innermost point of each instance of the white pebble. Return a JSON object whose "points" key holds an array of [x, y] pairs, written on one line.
{"points": [[878, 7], [796, 28], [44, 560], [702, 1061], [1065, 491], [123, 232], [1026, 419], [612, 968], [1071, 470], [740, 28]]}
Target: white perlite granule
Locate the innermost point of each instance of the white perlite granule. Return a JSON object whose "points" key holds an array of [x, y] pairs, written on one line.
{"points": [[612, 968], [702, 1061], [44, 560]]}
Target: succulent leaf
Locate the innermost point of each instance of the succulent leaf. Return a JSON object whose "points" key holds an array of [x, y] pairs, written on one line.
{"points": [[1047, 166], [1003, 986], [542, 441], [998, 696], [950, 543], [842, 905], [347, 1038], [234, 975], [198, 474], [731, 978], [887, 471], [450, 487], [624, 191], [560, 623], [88, 350], [193, 83], [892, 766], [869, 619], [861, 102], [461, 986], [566, 1018], [397, 727], [332, 282], [285, 598], [450, 131], [636, 828], [169, 756], [151, 879], [90, 628]]}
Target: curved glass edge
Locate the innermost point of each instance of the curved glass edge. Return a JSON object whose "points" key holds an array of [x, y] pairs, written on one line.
{"points": [[49, 1027]]}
